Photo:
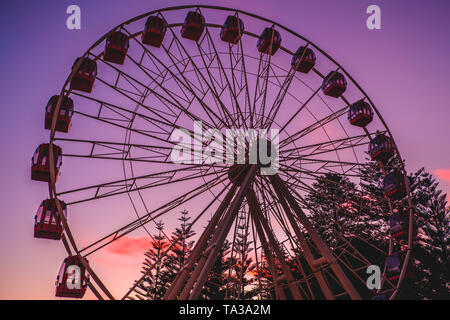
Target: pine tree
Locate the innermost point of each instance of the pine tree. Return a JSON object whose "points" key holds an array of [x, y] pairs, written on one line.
{"points": [[431, 250], [215, 285], [241, 264], [155, 283], [181, 246]]}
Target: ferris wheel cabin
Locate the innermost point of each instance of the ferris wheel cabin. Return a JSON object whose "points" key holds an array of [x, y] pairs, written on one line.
{"points": [[381, 148], [47, 222], [154, 32], [64, 119], [394, 186], [393, 265], [334, 84], [116, 48], [193, 26], [84, 77], [382, 296], [40, 168], [399, 226], [303, 60], [360, 114], [269, 41], [232, 30], [72, 279]]}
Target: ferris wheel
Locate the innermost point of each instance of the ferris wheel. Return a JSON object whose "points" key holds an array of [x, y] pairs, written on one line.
{"points": [[172, 69]]}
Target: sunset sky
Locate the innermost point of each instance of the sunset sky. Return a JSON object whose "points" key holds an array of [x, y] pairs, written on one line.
{"points": [[403, 67]]}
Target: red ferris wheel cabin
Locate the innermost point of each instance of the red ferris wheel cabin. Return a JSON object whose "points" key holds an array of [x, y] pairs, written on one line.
{"points": [[394, 186], [40, 166], [116, 48], [303, 60], [64, 119], [381, 148], [394, 264], [47, 222], [269, 41], [399, 226], [72, 279], [193, 26], [154, 31], [232, 30], [334, 84], [360, 114], [84, 77]]}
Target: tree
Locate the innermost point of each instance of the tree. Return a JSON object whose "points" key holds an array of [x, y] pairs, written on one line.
{"points": [[181, 246], [155, 282], [241, 265], [215, 285], [431, 251]]}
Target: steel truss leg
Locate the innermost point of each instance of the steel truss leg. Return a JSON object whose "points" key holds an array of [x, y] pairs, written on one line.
{"points": [[323, 248], [253, 202], [303, 243], [221, 233], [174, 290], [267, 252]]}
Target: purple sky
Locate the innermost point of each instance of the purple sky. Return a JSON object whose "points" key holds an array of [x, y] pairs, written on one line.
{"points": [[403, 67]]}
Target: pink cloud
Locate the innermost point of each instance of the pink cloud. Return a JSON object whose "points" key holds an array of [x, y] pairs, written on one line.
{"points": [[130, 246], [443, 174]]}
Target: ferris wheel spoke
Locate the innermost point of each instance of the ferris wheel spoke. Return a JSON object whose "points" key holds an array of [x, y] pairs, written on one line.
{"points": [[296, 156], [200, 77], [312, 127], [130, 185], [328, 167], [124, 115], [156, 153], [174, 96], [244, 80], [161, 98], [282, 93], [142, 91], [318, 123], [213, 117], [149, 134], [260, 92], [238, 86], [326, 146], [333, 185], [351, 168], [314, 176], [166, 102], [211, 84], [278, 102], [231, 88], [152, 216], [124, 149]]}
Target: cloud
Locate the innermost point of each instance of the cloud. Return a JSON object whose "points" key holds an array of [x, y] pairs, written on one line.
{"points": [[130, 246], [443, 174]]}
